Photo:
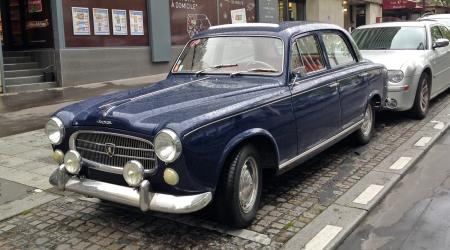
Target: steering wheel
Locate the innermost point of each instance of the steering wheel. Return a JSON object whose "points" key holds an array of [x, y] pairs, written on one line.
{"points": [[254, 64]]}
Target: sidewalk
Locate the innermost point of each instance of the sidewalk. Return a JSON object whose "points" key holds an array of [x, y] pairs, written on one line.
{"points": [[23, 112], [415, 215]]}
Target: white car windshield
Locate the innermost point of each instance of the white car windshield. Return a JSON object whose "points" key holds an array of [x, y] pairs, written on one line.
{"points": [[390, 38], [232, 55]]}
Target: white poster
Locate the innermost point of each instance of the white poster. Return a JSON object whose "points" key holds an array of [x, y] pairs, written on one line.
{"points": [[136, 23], [238, 16], [80, 19], [101, 22], [119, 18]]}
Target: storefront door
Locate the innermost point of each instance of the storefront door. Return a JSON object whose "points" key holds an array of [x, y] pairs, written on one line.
{"points": [[26, 24]]}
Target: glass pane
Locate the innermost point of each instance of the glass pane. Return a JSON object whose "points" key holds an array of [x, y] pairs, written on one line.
{"points": [[390, 38], [310, 58], [261, 55], [435, 33], [337, 50]]}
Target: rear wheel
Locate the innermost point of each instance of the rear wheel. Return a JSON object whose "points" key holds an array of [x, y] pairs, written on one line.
{"points": [[422, 99], [239, 191], [365, 132]]}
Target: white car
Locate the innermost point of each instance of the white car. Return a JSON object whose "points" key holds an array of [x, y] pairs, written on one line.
{"points": [[417, 56], [442, 18]]}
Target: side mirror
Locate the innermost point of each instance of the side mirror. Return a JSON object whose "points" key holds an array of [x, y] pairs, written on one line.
{"points": [[441, 42]]}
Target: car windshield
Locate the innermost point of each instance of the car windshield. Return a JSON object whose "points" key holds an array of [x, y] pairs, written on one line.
{"points": [[232, 55], [390, 38]]}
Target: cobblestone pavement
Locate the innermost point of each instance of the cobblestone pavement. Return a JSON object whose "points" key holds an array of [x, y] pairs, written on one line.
{"points": [[289, 202]]}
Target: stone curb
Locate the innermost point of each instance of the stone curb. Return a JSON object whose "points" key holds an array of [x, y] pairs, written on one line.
{"points": [[331, 227]]}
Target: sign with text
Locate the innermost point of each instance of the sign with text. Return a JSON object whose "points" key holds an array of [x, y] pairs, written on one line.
{"points": [[238, 16], [120, 24], [101, 21], [226, 6], [136, 23], [188, 17], [80, 20]]}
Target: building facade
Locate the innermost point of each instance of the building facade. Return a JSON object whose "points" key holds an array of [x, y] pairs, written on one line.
{"points": [[60, 43]]}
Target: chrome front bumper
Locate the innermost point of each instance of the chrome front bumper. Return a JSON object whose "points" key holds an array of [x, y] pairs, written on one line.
{"points": [[137, 197]]}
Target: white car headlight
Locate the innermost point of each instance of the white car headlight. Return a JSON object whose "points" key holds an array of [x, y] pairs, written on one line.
{"points": [[167, 145], [133, 173], [395, 76], [55, 130], [72, 162]]}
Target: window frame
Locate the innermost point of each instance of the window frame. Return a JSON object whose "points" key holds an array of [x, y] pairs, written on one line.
{"points": [[320, 51], [283, 68], [431, 34], [356, 59]]}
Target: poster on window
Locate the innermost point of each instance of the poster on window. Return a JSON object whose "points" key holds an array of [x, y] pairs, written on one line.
{"points": [[80, 20], [226, 6], [120, 25], [136, 23], [189, 17], [101, 22], [238, 16], [34, 6]]}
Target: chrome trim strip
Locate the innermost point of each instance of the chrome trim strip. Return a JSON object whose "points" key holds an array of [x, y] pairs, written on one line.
{"points": [[107, 168], [123, 156], [319, 146], [140, 197]]}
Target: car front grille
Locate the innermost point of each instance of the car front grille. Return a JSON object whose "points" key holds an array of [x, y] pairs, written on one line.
{"points": [[110, 151]]}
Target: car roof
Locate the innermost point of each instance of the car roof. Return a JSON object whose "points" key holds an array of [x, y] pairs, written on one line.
{"points": [[435, 16], [423, 23], [283, 29]]}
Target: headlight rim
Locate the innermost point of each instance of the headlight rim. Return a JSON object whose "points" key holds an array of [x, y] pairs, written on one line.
{"points": [[176, 141], [396, 72], [61, 128]]}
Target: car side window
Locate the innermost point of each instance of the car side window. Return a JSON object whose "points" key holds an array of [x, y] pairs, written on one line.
{"points": [[337, 50], [306, 55], [435, 34], [445, 32]]}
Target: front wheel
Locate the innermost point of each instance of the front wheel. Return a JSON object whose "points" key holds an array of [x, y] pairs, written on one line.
{"points": [[422, 99], [239, 191], [365, 132]]}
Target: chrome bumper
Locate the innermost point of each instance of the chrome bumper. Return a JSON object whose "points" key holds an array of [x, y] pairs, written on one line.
{"points": [[137, 197]]}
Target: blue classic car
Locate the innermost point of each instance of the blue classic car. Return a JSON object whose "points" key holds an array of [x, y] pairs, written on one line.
{"points": [[239, 99]]}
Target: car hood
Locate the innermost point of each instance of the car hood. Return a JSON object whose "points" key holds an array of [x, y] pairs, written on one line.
{"points": [[179, 103], [393, 59]]}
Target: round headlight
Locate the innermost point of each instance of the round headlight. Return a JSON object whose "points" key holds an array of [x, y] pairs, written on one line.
{"points": [[133, 173], [72, 162], [55, 130], [395, 76], [167, 146]]}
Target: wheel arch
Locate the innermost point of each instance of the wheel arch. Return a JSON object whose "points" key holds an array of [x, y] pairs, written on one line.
{"points": [[263, 141]]}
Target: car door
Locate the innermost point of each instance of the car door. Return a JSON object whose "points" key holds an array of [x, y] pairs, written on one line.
{"points": [[446, 34], [438, 62], [315, 96], [353, 83]]}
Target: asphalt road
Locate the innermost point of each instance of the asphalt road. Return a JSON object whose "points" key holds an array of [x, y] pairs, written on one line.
{"points": [[416, 213]]}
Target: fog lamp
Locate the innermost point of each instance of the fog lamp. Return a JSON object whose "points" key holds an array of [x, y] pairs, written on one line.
{"points": [[72, 162], [133, 173], [171, 177], [58, 156]]}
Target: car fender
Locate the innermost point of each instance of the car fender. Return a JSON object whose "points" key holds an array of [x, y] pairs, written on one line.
{"points": [[247, 134]]}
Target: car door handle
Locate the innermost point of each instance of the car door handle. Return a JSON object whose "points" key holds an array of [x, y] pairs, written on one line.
{"points": [[334, 84], [364, 74]]}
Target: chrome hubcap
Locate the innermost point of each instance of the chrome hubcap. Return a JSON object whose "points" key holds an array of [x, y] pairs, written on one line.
{"points": [[248, 185], [424, 96], [367, 123]]}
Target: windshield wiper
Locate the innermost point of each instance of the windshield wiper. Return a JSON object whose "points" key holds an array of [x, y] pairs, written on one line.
{"points": [[254, 70], [219, 66]]}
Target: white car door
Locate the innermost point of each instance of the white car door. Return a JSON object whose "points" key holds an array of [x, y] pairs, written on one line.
{"points": [[439, 62]]}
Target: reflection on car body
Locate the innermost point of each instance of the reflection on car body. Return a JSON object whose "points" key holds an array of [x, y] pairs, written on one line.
{"points": [[226, 111]]}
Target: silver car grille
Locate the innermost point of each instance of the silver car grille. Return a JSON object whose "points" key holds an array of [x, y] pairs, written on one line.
{"points": [[110, 152]]}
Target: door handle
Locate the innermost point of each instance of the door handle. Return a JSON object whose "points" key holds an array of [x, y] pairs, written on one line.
{"points": [[334, 84], [364, 74]]}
